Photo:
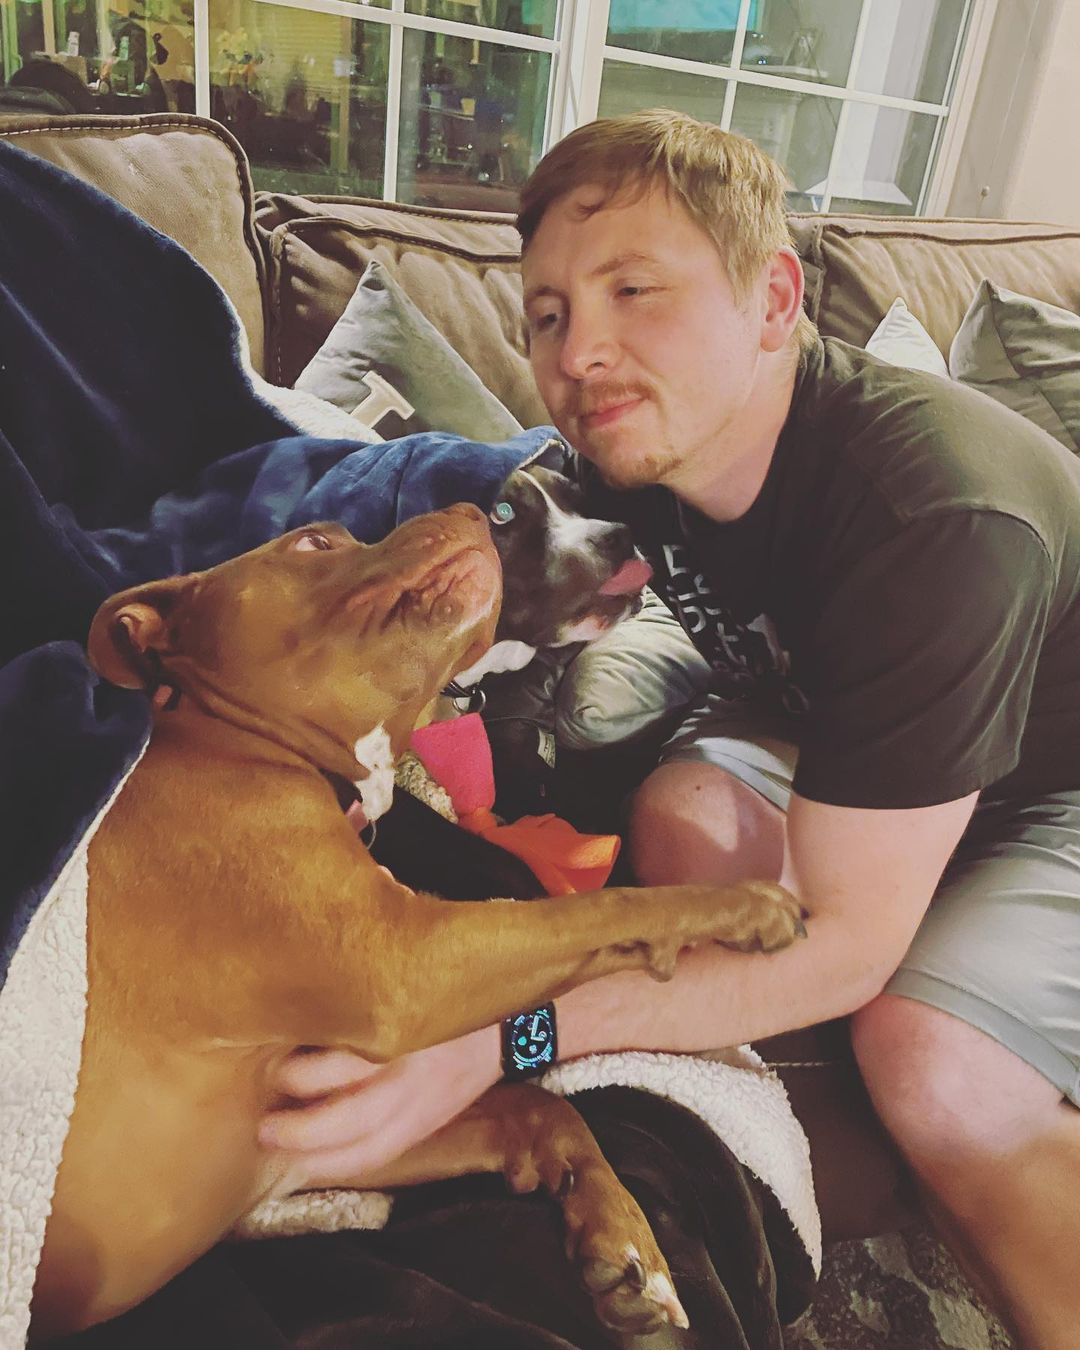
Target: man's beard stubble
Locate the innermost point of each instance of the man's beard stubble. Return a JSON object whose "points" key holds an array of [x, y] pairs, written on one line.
{"points": [[618, 469]]}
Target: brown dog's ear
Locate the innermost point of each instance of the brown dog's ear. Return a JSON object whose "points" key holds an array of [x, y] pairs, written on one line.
{"points": [[131, 629]]}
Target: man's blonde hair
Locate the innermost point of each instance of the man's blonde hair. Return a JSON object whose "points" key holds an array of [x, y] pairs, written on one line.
{"points": [[730, 187]]}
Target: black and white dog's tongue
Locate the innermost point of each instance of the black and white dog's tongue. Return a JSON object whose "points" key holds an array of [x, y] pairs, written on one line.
{"points": [[631, 576]]}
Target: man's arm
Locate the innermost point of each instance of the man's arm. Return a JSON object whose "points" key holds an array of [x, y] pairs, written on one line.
{"points": [[866, 878]]}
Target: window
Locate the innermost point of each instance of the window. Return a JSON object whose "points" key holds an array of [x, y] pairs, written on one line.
{"points": [[451, 102], [849, 95]]}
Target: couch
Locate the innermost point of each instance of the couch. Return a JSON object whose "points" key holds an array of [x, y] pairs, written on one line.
{"points": [[291, 264]]}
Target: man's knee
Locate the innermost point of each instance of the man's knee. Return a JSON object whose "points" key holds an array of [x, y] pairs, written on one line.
{"points": [[692, 821], [946, 1091]]}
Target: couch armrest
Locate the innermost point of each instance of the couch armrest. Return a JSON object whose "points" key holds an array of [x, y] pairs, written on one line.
{"points": [[185, 175]]}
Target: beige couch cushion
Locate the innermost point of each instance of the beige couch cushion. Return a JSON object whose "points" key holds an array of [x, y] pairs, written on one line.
{"points": [[935, 265], [460, 270], [185, 175]]}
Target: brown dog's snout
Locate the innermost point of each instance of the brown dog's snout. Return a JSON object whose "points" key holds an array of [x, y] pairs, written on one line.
{"points": [[437, 534]]}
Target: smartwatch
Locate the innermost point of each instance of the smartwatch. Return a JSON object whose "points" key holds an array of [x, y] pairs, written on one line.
{"points": [[529, 1044]]}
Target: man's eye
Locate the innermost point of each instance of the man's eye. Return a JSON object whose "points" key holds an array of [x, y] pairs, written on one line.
{"points": [[541, 321], [313, 543]]}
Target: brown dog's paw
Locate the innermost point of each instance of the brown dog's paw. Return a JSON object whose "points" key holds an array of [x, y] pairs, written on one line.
{"points": [[620, 1263], [773, 919], [755, 916], [631, 1299], [608, 1238]]}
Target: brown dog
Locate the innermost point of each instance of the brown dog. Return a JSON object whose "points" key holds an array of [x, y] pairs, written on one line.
{"points": [[233, 916]]}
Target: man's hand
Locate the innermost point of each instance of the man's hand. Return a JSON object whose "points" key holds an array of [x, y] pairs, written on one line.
{"points": [[353, 1117]]}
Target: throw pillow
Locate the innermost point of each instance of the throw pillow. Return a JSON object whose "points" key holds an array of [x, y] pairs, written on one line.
{"points": [[1026, 354], [312, 415], [622, 683], [901, 340], [386, 365]]}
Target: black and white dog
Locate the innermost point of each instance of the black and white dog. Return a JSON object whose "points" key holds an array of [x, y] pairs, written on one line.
{"points": [[567, 578]]}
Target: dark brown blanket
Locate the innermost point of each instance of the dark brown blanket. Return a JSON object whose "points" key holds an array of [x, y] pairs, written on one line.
{"points": [[463, 1265]]}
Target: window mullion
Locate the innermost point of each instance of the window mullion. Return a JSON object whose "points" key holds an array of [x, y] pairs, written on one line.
{"points": [[583, 35], [391, 148], [845, 107], [741, 24], [559, 70], [201, 25]]}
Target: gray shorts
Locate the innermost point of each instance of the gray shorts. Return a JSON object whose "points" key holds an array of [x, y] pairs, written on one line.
{"points": [[1000, 945]]}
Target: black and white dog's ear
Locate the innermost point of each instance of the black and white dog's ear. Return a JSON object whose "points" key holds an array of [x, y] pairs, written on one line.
{"points": [[558, 456]]}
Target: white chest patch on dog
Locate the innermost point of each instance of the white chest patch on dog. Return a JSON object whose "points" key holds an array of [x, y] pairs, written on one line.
{"points": [[503, 656], [373, 752]]}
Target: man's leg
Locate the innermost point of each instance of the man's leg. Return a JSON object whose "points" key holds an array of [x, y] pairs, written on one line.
{"points": [[981, 1114], [972, 1058], [998, 1151], [714, 809], [692, 821]]}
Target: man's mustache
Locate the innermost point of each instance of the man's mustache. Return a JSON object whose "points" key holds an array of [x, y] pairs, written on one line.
{"points": [[597, 397]]}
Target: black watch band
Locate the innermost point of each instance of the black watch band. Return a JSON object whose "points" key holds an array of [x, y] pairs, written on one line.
{"points": [[529, 1043]]}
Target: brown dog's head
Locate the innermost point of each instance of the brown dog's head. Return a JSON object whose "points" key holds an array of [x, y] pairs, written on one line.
{"points": [[326, 645]]}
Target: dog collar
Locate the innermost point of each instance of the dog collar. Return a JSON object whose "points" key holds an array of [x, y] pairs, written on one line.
{"points": [[166, 701], [347, 793], [473, 697]]}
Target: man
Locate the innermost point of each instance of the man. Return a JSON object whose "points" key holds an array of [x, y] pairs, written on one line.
{"points": [[884, 570]]}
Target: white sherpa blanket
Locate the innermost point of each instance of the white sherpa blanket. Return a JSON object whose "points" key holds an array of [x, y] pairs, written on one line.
{"points": [[42, 1015]]}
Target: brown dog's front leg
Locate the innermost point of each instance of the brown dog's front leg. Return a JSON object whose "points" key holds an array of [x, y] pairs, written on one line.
{"points": [[538, 1140], [365, 962], [452, 967]]}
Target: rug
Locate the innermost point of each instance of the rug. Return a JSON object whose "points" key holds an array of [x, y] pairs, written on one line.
{"points": [[902, 1291]]}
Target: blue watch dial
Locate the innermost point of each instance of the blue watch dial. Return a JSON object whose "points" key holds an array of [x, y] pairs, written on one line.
{"points": [[531, 1040]]}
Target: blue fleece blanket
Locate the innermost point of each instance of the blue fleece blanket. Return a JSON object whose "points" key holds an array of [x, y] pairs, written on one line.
{"points": [[133, 445]]}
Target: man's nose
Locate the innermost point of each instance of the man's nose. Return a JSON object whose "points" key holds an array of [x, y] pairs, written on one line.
{"points": [[588, 347]]}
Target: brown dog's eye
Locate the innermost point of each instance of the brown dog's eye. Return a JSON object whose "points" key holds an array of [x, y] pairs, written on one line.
{"points": [[310, 543], [502, 513]]}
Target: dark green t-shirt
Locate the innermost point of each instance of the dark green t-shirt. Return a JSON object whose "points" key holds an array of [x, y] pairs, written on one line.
{"points": [[907, 585]]}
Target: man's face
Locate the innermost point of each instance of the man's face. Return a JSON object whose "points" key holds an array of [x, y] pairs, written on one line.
{"points": [[641, 352]]}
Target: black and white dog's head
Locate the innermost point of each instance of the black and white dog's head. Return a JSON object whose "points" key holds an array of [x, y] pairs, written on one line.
{"points": [[566, 577]]}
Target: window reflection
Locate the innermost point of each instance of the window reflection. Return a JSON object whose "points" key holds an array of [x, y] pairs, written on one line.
{"points": [[626, 88], [472, 121], [883, 160], [93, 56], [534, 17], [695, 30], [304, 93], [796, 128]]}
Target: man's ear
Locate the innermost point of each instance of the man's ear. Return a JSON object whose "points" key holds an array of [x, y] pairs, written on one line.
{"points": [[783, 299], [131, 630]]}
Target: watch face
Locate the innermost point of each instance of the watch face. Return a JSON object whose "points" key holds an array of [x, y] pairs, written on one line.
{"points": [[532, 1039]]}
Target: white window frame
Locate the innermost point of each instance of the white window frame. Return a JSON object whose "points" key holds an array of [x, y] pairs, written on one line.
{"points": [[578, 52]]}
